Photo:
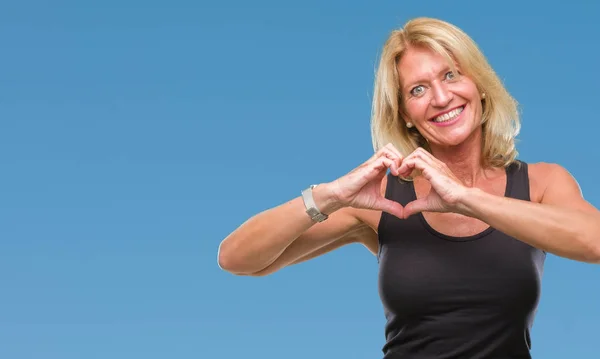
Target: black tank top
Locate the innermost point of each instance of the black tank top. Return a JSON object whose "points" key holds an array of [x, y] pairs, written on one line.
{"points": [[456, 297]]}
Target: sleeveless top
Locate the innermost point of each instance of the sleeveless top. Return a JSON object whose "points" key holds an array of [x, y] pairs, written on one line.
{"points": [[456, 297]]}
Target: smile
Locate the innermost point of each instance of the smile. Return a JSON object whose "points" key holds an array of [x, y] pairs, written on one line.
{"points": [[448, 116]]}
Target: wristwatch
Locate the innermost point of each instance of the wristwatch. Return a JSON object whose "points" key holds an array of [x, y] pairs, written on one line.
{"points": [[311, 207]]}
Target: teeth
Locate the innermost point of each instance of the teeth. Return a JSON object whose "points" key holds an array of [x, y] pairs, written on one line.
{"points": [[449, 116]]}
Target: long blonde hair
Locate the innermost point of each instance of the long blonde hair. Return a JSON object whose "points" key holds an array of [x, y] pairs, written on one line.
{"points": [[500, 116]]}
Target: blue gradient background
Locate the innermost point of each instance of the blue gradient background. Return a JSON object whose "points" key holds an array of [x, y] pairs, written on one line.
{"points": [[135, 135]]}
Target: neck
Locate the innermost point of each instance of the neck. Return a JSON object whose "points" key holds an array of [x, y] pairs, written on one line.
{"points": [[464, 160]]}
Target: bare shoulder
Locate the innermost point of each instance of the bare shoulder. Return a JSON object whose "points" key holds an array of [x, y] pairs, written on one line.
{"points": [[544, 168], [552, 183], [538, 179]]}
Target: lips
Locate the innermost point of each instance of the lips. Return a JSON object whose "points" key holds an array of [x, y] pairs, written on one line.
{"points": [[448, 115]]}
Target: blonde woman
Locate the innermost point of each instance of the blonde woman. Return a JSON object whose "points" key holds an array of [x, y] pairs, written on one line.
{"points": [[459, 226]]}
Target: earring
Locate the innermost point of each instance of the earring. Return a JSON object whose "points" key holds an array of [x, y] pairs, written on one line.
{"points": [[482, 95], [409, 124]]}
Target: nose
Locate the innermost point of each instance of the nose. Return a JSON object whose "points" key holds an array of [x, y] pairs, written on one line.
{"points": [[441, 97]]}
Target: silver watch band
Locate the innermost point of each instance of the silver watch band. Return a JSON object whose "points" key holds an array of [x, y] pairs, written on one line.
{"points": [[311, 208]]}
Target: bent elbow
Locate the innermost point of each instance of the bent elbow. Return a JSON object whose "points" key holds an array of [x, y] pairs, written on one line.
{"points": [[223, 262], [228, 262]]}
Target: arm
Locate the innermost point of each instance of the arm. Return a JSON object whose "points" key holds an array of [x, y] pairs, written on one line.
{"points": [[563, 223], [307, 247], [283, 234]]}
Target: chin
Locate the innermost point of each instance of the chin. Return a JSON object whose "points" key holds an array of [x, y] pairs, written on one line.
{"points": [[456, 137]]}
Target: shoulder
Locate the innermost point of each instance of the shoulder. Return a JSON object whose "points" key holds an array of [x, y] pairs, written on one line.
{"points": [[550, 182], [549, 173]]}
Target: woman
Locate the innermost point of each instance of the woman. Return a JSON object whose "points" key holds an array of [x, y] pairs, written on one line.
{"points": [[459, 226]]}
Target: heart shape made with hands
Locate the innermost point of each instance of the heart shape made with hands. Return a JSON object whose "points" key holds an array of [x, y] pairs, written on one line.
{"points": [[362, 187], [446, 189]]}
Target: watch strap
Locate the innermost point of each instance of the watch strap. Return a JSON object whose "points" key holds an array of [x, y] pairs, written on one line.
{"points": [[311, 208]]}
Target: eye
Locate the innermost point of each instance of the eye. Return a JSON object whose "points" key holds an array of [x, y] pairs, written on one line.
{"points": [[450, 76], [417, 90]]}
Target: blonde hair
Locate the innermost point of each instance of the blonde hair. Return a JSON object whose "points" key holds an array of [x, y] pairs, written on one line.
{"points": [[500, 116]]}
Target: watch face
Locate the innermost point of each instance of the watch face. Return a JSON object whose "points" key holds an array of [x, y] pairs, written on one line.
{"points": [[313, 212]]}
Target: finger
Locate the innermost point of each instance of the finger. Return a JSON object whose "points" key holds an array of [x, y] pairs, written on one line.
{"points": [[409, 165], [392, 148], [414, 207], [388, 151], [377, 168], [408, 160], [376, 156], [426, 157], [372, 161], [422, 151], [384, 162], [391, 153], [406, 167], [391, 207]]}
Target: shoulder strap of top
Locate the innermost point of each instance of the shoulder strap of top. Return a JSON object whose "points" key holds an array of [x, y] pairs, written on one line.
{"points": [[517, 185], [518, 180]]}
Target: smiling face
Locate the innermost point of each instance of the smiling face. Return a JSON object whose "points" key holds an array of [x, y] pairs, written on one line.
{"points": [[445, 107]]}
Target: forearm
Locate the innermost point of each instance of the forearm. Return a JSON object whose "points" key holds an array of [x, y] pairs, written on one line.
{"points": [[259, 241], [562, 231]]}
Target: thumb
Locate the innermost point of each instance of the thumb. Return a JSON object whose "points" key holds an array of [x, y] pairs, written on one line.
{"points": [[416, 206], [391, 207]]}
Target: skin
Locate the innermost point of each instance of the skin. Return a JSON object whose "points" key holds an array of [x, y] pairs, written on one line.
{"points": [[456, 195], [429, 88]]}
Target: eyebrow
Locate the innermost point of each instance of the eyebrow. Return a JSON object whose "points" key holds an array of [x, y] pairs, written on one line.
{"points": [[418, 81]]}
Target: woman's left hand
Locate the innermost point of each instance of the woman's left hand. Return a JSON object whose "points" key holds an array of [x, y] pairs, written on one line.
{"points": [[446, 190]]}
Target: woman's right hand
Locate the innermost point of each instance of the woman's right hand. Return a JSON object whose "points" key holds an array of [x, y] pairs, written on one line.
{"points": [[361, 188]]}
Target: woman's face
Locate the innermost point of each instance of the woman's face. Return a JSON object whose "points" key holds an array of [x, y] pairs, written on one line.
{"points": [[445, 107]]}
